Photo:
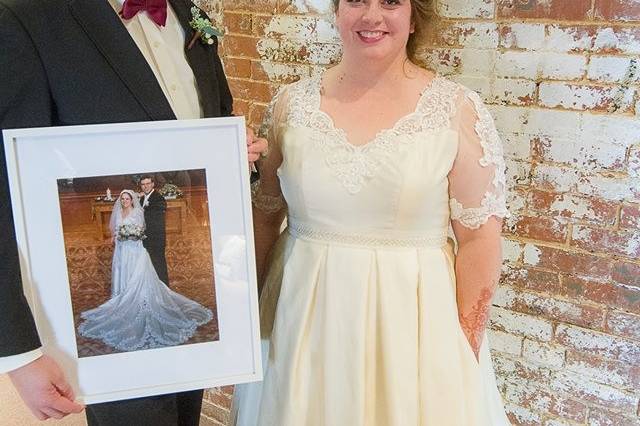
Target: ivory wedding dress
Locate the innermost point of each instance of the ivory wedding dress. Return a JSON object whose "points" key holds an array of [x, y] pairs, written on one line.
{"points": [[142, 313], [359, 315]]}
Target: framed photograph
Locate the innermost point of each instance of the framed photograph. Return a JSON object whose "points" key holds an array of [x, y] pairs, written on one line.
{"points": [[136, 252]]}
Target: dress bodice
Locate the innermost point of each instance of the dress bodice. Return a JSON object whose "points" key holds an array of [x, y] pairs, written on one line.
{"points": [[398, 184]]}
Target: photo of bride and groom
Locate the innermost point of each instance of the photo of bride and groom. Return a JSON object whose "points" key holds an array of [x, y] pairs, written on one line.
{"points": [[126, 296]]}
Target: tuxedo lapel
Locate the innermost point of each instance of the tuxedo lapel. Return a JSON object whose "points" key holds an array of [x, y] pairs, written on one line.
{"points": [[112, 39], [201, 60]]}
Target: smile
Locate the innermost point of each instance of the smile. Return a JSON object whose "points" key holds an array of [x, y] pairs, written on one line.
{"points": [[371, 36]]}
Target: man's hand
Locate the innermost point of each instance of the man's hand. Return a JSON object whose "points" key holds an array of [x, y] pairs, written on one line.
{"points": [[44, 390], [255, 147]]}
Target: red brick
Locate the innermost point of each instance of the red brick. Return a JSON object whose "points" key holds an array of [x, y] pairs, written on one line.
{"points": [[241, 46], [613, 295], [573, 207], [614, 10], [238, 23], [531, 279], [595, 240], [572, 263], [237, 67], [626, 273], [240, 107], [250, 6], [630, 216], [259, 24], [558, 10], [256, 115], [539, 228], [250, 90]]}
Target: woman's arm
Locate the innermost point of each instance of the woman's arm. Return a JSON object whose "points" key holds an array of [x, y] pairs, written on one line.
{"points": [[477, 191], [477, 268]]}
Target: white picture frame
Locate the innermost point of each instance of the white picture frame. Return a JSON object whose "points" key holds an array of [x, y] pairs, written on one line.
{"points": [[37, 158]]}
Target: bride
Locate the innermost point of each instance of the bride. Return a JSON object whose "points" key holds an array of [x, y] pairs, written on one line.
{"points": [[142, 312]]}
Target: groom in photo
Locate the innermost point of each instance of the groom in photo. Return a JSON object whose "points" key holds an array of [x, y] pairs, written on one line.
{"points": [[76, 62], [155, 206]]}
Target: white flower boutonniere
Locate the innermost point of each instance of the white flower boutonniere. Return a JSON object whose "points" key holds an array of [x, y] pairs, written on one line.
{"points": [[204, 29]]}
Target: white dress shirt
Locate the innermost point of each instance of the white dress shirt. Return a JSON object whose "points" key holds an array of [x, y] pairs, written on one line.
{"points": [[163, 49]]}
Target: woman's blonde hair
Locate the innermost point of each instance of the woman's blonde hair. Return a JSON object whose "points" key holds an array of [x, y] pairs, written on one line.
{"points": [[420, 18]]}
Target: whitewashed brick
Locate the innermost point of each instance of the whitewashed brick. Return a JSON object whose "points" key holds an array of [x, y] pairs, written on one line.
{"points": [[523, 415], [301, 27], [284, 72], [597, 343], [505, 342], [516, 202], [611, 373], [623, 39], [553, 123], [560, 422], [634, 162], [517, 172], [517, 146], [517, 64], [531, 255], [555, 178], [609, 188], [567, 39], [477, 61], [511, 250], [466, 8], [522, 324], [582, 387], [475, 35], [580, 97], [589, 154], [611, 69], [523, 36], [562, 66], [547, 354], [614, 129]]}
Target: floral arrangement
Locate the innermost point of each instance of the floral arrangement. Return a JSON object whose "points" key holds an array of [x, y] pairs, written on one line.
{"points": [[204, 29], [131, 232], [170, 191]]}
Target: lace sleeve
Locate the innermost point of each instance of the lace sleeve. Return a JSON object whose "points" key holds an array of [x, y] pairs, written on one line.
{"points": [[477, 186], [266, 195]]}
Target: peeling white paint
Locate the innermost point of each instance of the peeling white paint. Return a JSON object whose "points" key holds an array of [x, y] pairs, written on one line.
{"points": [[531, 254]]}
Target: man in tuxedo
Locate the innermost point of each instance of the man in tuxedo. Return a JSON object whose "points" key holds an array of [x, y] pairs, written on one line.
{"points": [[155, 206], [65, 62]]}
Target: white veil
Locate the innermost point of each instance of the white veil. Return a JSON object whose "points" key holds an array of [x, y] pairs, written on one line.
{"points": [[116, 214]]}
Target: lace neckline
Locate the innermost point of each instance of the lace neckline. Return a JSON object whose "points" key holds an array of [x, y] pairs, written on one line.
{"points": [[382, 135]]}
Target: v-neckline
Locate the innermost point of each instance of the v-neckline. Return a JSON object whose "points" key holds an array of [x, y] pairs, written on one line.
{"points": [[379, 135]]}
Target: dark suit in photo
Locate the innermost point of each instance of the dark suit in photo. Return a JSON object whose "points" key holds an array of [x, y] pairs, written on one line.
{"points": [[156, 241], [72, 62]]}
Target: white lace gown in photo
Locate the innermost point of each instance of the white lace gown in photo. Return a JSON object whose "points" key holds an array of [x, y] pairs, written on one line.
{"points": [[359, 315], [142, 313]]}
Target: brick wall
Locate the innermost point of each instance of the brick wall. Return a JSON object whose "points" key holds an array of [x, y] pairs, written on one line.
{"points": [[562, 78]]}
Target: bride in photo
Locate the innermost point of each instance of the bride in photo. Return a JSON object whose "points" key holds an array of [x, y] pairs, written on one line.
{"points": [[142, 313]]}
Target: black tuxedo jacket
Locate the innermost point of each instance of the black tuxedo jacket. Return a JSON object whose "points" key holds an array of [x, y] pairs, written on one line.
{"points": [[65, 62], [155, 221]]}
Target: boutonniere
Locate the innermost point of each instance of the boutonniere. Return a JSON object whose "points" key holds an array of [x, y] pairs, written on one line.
{"points": [[204, 29]]}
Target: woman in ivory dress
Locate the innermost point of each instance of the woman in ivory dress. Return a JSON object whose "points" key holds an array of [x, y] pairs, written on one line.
{"points": [[142, 313], [368, 316]]}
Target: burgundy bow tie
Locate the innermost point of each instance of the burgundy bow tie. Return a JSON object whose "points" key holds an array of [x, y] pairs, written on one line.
{"points": [[156, 9]]}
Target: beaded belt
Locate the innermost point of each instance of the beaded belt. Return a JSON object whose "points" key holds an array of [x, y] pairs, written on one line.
{"points": [[304, 232]]}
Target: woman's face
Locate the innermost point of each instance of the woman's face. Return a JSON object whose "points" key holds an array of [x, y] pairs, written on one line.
{"points": [[125, 199], [374, 29]]}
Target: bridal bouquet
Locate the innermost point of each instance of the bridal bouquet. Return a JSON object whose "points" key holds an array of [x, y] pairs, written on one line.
{"points": [[131, 232]]}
